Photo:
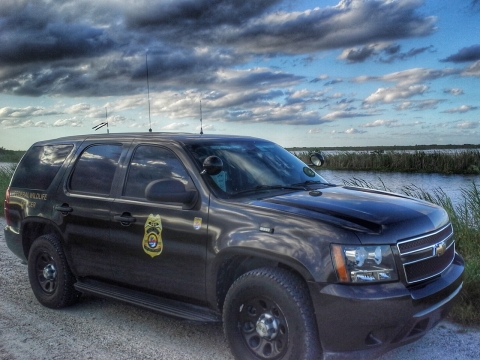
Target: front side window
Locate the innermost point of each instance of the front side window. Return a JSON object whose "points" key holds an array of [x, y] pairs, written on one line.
{"points": [[150, 163], [40, 165], [95, 169]]}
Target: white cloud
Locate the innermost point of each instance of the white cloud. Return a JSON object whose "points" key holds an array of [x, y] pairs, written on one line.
{"points": [[461, 109]]}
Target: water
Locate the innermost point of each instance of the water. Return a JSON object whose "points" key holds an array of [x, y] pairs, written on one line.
{"points": [[450, 184]]}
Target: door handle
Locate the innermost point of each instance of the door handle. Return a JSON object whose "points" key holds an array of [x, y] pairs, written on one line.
{"points": [[125, 219], [64, 209]]}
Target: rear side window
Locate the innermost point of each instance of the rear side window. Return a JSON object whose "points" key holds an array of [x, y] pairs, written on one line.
{"points": [[95, 169], [39, 166]]}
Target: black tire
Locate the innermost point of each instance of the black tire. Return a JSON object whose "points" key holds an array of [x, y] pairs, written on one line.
{"points": [[50, 277], [268, 314]]}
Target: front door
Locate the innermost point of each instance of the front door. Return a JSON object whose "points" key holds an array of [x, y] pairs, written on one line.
{"points": [[158, 246]]}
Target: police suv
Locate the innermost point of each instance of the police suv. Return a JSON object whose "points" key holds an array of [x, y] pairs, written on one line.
{"points": [[233, 229]]}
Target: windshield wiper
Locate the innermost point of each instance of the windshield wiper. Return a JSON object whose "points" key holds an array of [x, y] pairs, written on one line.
{"points": [[270, 187], [311, 182]]}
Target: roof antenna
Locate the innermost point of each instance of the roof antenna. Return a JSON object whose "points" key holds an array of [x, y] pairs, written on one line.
{"points": [[148, 92], [201, 122], [99, 126]]}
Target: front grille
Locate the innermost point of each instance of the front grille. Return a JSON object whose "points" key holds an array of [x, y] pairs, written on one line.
{"points": [[427, 256]]}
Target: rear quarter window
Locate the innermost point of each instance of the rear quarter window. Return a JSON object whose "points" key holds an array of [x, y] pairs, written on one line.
{"points": [[39, 165]]}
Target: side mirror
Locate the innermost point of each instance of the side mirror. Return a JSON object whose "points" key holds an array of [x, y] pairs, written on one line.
{"points": [[317, 159], [212, 165], [169, 190]]}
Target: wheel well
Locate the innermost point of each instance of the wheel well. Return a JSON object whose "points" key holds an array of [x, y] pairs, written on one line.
{"points": [[33, 230], [235, 266]]}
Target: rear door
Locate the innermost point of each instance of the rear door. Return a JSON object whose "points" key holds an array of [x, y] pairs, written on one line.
{"points": [[82, 208], [158, 246]]}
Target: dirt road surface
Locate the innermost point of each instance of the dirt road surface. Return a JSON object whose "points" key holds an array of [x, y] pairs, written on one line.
{"points": [[105, 329]]}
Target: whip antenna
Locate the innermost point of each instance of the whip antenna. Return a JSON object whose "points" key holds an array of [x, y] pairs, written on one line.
{"points": [[201, 121], [148, 93]]}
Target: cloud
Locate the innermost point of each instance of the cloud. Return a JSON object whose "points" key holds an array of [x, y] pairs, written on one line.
{"points": [[466, 54], [97, 48], [350, 23], [380, 122], [354, 131], [72, 122], [393, 54], [472, 70], [418, 105], [461, 109], [355, 55], [343, 115], [388, 95], [29, 111], [8, 124], [176, 126], [453, 91], [408, 84], [467, 125]]}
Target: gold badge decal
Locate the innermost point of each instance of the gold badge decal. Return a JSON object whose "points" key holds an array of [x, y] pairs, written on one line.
{"points": [[152, 240]]}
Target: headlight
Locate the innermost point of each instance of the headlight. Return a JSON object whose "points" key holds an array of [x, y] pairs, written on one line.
{"points": [[364, 263]]}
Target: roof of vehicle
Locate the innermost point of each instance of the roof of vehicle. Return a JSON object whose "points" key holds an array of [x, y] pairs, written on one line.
{"points": [[180, 137]]}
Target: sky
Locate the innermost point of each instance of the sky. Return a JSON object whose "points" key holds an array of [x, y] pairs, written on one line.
{"points": [[301, 73]]}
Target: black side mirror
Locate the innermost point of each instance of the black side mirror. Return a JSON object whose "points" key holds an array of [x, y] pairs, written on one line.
{"points": [[317, 159], [170, 190], [212, 165]]}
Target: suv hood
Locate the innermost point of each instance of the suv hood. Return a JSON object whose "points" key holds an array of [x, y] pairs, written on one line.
{"points": [[376, 216]]}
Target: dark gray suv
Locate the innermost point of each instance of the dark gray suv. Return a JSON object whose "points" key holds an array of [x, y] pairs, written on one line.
{"points": [[232, 229]]}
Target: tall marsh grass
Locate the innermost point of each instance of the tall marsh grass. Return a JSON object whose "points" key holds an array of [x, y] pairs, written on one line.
{"points": [[6, 173], [465, 218], [455, 162]]}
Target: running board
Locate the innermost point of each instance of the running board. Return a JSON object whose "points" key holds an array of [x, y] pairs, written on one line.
{"points": [[147, 301]]}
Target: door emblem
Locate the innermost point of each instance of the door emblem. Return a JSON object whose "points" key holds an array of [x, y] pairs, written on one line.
{"points": [[152, 240], [197, 223]]}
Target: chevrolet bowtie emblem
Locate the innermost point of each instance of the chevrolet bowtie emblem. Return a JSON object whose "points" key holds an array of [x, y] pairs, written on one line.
{"points": [[440, 248]]}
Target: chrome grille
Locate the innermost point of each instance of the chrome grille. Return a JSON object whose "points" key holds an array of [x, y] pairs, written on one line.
{"points": [[427, 256]]}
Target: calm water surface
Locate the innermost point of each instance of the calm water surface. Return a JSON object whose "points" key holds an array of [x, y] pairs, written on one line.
{"points": [[450, 184]]}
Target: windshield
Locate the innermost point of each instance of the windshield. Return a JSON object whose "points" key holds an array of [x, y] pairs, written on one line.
{"points": [[254, 165]]}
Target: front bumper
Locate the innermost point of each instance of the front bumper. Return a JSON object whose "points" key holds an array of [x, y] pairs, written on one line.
{"points": [[365, 321]]}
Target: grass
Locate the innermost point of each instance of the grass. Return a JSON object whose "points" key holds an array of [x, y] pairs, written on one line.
{"points": [[12, 156], [454, 162], [6, 173], [465, 218]]}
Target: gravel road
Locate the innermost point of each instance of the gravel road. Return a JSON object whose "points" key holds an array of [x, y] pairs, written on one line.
{"points": [[104, 329]]}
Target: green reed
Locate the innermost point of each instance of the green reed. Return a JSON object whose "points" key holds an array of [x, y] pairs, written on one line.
{"points": [[465, 218], [6, 173], [453, 162]]}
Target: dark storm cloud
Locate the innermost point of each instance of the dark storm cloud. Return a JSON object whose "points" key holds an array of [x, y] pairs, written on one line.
{"points": [[397, 55], [191, 15], [92, 48], [360, 55], [471, 53], [349, 23]]}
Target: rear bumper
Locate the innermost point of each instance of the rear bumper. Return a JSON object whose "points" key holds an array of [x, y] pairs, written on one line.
{"points": [[14, 242], [366, 321]]}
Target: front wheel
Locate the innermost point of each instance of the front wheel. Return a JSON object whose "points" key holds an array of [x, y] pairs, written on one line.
{"points": [[268, 314], [50, 277]]}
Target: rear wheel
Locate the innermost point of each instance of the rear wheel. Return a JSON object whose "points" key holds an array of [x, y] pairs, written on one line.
{"points": [[50, 277], [268, 314]]}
